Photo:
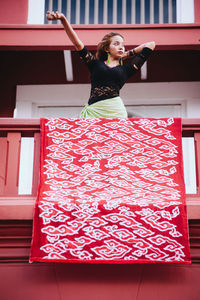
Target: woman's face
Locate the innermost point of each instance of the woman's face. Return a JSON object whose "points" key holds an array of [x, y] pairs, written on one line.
{"points": [[116, 47]]}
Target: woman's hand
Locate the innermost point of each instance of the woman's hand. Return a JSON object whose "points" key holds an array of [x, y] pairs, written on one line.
{"points": [[51, 16]]}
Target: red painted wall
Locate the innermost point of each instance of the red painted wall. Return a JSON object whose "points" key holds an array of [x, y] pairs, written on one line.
{"points": [[99, 282], [196, 11], [13, 11]]}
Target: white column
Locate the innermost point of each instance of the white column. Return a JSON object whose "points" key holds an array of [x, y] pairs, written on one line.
{"points": [[161, 15], [69, 10], [50, 8], [185, 11], [142, 9], [96, 12], [36, 11], [86, 11], [133, 12], [123, 11], [114, 11], [59, 5], [105, 12], [169, 11], [77, 12], [151, 11]]}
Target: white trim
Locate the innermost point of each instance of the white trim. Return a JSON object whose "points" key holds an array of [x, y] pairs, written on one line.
{"points": [[36, 11]]}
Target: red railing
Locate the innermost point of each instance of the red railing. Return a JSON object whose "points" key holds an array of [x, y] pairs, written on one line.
{"points": [[11, 132]]}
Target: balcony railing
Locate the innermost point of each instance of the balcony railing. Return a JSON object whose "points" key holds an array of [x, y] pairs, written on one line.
{"points": [[115, 11], [12, 134]]}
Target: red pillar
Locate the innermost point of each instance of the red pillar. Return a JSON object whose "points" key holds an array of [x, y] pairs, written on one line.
{"points": [[196, 11]]}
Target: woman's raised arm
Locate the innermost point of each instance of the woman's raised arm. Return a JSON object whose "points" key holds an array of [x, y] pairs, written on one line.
{"points": [[150, 45], [138, 49], [68, 28]]}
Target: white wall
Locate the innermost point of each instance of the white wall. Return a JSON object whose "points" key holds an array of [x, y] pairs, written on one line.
{"points": [[186, 94]]}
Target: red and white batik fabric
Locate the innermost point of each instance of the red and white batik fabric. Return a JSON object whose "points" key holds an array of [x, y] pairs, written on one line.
{"points": [[111, 191]]}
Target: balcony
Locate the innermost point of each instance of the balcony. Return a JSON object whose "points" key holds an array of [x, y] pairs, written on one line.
{"points": [[116, 11], [16, 208], [12, 134], [173, 24]]}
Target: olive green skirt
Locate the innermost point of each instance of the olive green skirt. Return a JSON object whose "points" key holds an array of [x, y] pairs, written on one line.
{"points": [[109, 108]]}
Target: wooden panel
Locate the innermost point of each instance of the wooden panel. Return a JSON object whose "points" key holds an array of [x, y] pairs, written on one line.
{"points": [[196, 11], [3, 151], [36, 163], [197, 152], [12, 168]]}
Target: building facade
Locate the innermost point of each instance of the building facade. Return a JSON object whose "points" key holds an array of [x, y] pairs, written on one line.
{"points": [[42, 76]]}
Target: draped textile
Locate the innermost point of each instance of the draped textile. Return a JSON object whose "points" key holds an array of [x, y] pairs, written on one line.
{"points": [[111, 191], [109, 108]]}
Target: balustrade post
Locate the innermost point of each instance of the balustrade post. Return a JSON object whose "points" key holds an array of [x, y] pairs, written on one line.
{"points": [[197, 158], [3, 149], [36, 163], [12, 164]]}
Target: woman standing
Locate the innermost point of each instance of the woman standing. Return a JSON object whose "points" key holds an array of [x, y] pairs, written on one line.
{"points": [[107, 72]]}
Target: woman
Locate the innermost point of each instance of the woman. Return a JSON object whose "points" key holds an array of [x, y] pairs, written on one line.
{"points": [[107, 72]]}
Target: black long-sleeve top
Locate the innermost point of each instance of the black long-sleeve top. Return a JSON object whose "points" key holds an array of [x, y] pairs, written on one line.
{"points": [[106, 82]]}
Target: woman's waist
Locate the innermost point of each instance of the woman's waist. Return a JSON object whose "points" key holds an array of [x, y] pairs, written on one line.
{"points": [[99, 93]]}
